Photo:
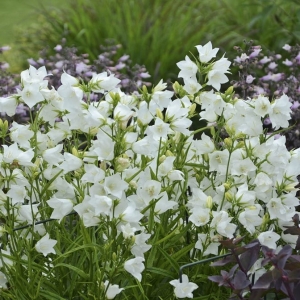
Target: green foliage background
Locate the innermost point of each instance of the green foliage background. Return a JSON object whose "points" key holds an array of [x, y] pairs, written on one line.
{"points": [[155, 33]]}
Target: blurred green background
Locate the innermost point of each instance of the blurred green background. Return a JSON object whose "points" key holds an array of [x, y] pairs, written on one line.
{"points": [[155, 33]]}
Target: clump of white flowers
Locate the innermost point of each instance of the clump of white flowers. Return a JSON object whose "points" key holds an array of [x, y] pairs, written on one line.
{"points": [[125, 166]]}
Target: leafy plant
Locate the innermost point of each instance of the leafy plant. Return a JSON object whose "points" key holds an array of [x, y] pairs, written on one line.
{"points": [[280, 271], [107, 198], [156, 33]]}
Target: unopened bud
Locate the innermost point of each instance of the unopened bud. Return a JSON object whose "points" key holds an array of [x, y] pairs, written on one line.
{"points": [[205, 157], [209, 202], [122, 163], [229, 91], [192, 108], [162, 158], [177, 87], [228, 142], [169, 153], [290, 187], [159, 114], [114, 256], [93, 131], [228, 196], [212, 131], [75, 152], [227, 186], [265, 222]]}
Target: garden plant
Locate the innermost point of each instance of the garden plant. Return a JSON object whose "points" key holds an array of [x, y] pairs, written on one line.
{"points": [[107, 197]]}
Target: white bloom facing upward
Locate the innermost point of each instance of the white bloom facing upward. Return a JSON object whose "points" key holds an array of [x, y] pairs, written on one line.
{"points": [[133, 167], [185, 288], [45, 245]]}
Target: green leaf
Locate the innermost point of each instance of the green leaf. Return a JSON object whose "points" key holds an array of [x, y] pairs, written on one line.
{"points": [[51, 296], [169, 259], [163, 272], [73, 268]]}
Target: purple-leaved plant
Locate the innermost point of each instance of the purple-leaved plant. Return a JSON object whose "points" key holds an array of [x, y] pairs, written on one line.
{"points": [[259, 270]]}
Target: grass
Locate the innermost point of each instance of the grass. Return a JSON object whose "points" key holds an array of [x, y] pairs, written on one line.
{"points": [[156, 33], [16, 15]]}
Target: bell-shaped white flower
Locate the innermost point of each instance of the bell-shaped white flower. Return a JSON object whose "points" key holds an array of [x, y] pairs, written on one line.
{"points": [[8, 105], [185, 288], [62, 207], [45, 245], [269, 239], [206, 52], [135, 267], [112, 290]]}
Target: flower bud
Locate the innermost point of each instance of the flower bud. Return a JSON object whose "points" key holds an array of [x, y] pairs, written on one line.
{"points": [[265, 222], [290, 187], [114, 256], [212, 131], [75, 152], [93, 131], [228, 196], [192, 108], [159, 114], [227, 186], [205, 157], [177, 87], [252, 207], [169, 153], [228, 142], [122, 163], [161, 159], [229, 91], [209, 202]]}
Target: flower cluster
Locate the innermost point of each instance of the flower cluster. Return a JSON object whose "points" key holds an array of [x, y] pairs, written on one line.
{"points": [[271, 75], [127, 174], [67, 60]]}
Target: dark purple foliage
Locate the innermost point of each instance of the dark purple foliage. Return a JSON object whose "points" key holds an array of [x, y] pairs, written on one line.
{"points": [[282, 271]]}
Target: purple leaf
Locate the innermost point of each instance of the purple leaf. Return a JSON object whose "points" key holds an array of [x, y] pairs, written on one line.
{"points": [[224, 261], [296, 291], [240, 280], [292, 230], [283, 256], [266, 279], [216, 278], [219, 279], [257, 294], [298, 243], [248, 258], [293, 276], [232, 271]]}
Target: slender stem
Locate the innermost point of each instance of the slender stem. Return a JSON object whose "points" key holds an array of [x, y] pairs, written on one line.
{"points": [[200, 262]]}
